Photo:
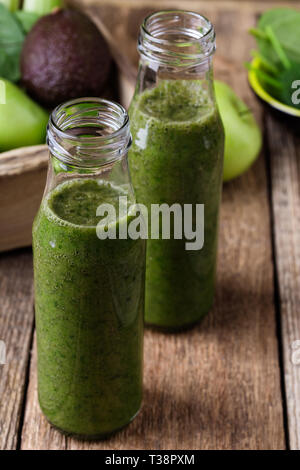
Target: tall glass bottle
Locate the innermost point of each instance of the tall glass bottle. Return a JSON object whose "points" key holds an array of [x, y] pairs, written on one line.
{"points": [[89, 289], [177, 157]]}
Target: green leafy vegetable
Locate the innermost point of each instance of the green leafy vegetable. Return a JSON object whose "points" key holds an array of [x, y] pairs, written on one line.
{"points": [[10, 30], [285, 23], [265, 77], [11, 41], [268, 66], [27, 19], [274, 41], [278, 39]]}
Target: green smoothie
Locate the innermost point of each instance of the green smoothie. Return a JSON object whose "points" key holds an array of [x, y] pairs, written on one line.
{"points": [[89, 312], [177, 157]]}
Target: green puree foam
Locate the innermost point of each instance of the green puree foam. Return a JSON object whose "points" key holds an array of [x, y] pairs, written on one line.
{"points": [[77, 203], [89, 313], [177, 157]]}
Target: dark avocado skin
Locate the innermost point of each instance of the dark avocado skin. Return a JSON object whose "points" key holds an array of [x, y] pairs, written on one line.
{"points": [[64, 57]]}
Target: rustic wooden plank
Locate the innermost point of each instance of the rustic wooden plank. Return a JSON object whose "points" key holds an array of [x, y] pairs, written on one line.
{"points": [[217, 386], [16, 325], [284, 145]]}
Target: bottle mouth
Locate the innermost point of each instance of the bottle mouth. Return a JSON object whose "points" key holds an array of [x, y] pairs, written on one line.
{"points": [[88, 132], [176, 38]]}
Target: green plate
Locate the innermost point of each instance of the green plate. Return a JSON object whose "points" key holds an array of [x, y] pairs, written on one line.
{"points": [[264, 95]]}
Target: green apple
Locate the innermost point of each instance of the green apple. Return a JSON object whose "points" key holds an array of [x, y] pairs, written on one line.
{"points": [[243, 138], [22, 121]]}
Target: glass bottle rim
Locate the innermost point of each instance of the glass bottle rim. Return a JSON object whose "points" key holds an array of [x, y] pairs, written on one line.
{"points": [[107, 119], [197, 38]]}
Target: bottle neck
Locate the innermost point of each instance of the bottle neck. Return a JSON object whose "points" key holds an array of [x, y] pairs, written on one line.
{"points": [[88, 137], [175, 38], [150, 73], [176, 45], [88, 133], [116, 173]]}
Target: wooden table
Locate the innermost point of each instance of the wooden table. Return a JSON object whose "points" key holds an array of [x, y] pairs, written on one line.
{"points": [[232, 382]]}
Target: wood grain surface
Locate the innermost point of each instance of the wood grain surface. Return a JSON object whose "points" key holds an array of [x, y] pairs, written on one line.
{"points": [[16, 326], [217, 386], [284, 145]]}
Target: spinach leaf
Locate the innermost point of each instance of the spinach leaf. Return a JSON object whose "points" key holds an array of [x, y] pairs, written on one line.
{"points": [[278, 39], [273, 15], [10, 30], [10, 63], [285, 23], [27, 19], [11, 42]]}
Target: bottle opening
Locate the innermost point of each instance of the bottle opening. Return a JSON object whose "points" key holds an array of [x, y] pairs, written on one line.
{"points": [[88, 132], [178, 38]]}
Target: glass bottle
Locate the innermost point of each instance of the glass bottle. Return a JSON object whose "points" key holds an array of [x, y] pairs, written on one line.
{"points": [[89, 289], [177, 158]]}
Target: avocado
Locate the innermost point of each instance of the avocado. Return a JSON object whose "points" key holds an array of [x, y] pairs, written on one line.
{"points": [[64, 57]]}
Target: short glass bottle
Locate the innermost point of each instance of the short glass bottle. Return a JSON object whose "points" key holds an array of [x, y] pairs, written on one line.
{"points": [[89, 292]]}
